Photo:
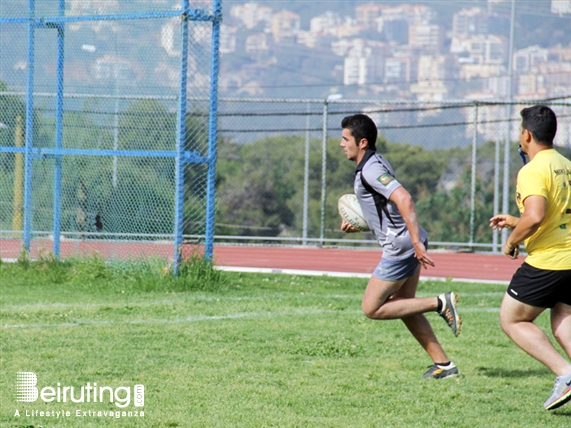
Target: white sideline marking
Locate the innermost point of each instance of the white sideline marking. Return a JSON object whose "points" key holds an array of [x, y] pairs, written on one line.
{"points": [[344, 274], [200, 318]]}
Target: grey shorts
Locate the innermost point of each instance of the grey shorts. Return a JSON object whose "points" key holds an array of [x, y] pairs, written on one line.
{"points": [[395, 270]]}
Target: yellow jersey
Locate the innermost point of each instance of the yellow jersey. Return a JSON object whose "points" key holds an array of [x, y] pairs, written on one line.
{"points": [[548, 175]]}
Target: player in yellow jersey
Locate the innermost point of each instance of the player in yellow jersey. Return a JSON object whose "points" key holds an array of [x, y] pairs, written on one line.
{"points": [[544, 279]]}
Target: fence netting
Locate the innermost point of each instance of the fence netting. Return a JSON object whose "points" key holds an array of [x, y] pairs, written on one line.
{"points": [[113, 188], [275, 185]]}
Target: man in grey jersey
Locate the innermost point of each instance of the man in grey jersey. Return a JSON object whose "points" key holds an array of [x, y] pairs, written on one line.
{"points": [[391, 216]]}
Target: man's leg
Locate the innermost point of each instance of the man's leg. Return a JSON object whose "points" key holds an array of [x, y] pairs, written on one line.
{"points": [[561, 327], [516, 319], [381, 302], [384, 300]]}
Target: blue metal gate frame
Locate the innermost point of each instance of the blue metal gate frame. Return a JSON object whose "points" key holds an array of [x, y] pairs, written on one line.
{"points": [[181, 156]]}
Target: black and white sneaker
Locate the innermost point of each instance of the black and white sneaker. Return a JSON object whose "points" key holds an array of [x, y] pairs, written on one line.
{"points": [[438, 372], [448, 311]]}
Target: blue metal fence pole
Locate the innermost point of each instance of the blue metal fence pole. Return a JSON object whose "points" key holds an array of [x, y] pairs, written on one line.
{"points": [[212, 132], [29, 130], [59, 130], [180, 141]]}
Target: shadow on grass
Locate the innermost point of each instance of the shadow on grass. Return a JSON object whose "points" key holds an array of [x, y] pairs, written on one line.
{"points": [[502, 372]]}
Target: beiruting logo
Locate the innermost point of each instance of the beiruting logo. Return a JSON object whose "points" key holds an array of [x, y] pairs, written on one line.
{"points": [[27, 392]]}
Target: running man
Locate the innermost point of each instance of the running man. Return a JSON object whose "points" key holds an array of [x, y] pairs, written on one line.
{"points": [[391, 216], [544, 279]]}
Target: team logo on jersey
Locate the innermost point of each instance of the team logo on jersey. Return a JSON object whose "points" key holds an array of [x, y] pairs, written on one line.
{"points": [[385, 179]]}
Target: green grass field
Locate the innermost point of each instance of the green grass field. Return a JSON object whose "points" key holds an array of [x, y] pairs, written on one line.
{"points": [[241, 350]]}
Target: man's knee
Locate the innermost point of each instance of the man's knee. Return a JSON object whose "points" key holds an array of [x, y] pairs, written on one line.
{"points": [[372, 311]]}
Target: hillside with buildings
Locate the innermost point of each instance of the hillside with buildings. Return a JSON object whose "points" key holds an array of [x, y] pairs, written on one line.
{"points": [[390, 49], [419, 50]]}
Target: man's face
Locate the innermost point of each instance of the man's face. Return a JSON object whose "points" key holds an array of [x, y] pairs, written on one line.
{"points": [[523, 143], [350, 147]]}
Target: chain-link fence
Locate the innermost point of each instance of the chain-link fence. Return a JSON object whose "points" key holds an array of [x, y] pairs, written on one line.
{"points": [[100, 153], [281, 170], [100, 147]]}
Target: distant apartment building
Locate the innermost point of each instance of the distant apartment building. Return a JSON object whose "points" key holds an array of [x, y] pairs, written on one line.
{"points": [[331, 24], [349, 28], [397, 23], [531, 86], [363, 62], [557, 77], [560, 53], [367, 14], [428, 37], [324, 23], [307, 38], [481, 49], [413, 14], [525, 59], [439, 67], [434, 90], [227, 38], [251, 14], [256, 43], [355, 70], [284, 26], [432, 72], [469, 22], [400, 69], [560, 6], [470, 72]]}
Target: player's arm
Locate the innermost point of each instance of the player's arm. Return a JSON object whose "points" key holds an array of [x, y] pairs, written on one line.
{"points": [[534, 212], [405, 205]]}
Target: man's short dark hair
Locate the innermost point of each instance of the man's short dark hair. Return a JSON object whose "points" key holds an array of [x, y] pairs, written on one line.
{"points": [[541, 122], [361, 126]]}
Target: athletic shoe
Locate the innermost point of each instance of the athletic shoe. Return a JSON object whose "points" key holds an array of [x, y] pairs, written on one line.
{"points": [[561, 392], [449, 313], [436, 372]]}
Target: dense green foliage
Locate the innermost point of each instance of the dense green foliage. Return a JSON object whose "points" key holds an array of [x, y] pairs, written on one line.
{"points": [[260, 187]]}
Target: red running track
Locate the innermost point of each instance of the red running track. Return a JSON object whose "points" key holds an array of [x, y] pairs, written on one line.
{"points": [[488, 267]]}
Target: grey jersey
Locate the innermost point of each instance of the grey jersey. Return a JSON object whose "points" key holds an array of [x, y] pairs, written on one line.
{"points": [[374, 184]]}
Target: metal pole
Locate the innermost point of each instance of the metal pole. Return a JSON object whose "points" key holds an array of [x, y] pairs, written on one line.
{"points": [[306, 178], [59, 129], [116, 116], [180, 142], [495, 247], [212, 132], [115, 133], [473, 180], [323, 169], [506, 189], [18, 170], [29, 131]]}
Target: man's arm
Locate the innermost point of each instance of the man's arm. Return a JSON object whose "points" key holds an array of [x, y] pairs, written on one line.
{"points": [[532, 217], [405, 204]]}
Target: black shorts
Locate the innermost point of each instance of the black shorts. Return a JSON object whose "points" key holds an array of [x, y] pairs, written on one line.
{"points": [[541, 288]]}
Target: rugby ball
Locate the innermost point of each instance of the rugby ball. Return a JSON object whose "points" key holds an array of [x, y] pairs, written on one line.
{"points": [[350, 211]]}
